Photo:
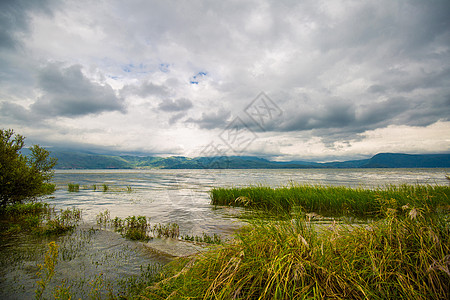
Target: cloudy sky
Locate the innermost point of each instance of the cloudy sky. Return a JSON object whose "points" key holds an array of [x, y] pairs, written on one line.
{"points": [[285, 80]]}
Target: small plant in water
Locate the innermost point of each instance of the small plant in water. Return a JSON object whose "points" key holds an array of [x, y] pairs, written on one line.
{"points": [[103, 218], [47, 270], [133, 228], [65, 221], [105, 187], [171, 230], [73, 187]]}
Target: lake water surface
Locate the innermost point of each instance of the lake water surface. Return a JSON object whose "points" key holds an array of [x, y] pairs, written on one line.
{"points": [[165, 196], [182, 196]]}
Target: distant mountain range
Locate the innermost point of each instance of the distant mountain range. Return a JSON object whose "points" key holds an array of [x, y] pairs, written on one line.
{"points": [[81, 160]]}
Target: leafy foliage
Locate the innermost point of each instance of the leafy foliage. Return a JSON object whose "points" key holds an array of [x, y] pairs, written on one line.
{"points": [[23, 177]]}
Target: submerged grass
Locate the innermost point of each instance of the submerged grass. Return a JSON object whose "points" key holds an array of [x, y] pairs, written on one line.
{"points": [[73, 187], [334, 200], [138, 227], [38, 218], [404, 255]]}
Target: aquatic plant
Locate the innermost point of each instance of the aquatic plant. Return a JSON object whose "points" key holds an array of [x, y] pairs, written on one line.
{"points": [[65, 221], [105, 187], [46, 270], [73, 187], [171, 230], [333, 200], [103, 218], [132, 227], [38, 218]]}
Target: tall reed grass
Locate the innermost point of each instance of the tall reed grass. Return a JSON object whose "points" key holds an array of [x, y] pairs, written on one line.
{"points": [[334, 200], [405, 255]]}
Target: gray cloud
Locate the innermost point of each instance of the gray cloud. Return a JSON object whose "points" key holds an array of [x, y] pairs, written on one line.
{"points": [[336, 68], [175, 118], [177, 105], [212, 120], [14, 19], [17, 114], [144, 90], [67, 92]]}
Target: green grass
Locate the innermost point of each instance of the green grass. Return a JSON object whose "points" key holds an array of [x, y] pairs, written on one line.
{"points": [[334, 200], [402, 256], [402, 251]]}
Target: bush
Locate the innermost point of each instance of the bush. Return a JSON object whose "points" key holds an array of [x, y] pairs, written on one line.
{"points": [[22, 177]]}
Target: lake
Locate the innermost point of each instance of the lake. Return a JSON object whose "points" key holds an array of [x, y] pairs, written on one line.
{"points": [[165, 196], [182, 196]]}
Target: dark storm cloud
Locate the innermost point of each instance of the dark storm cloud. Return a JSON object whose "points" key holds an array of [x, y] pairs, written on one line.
{"points": [[14, 19], [338, 119], [334, 113], [170, 105], [68, 92], [401, 27], [212, 120], [15, 114]]}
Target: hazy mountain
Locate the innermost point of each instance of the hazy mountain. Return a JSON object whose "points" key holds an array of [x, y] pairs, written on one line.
{"points": [[84, 160], [400, 160]]}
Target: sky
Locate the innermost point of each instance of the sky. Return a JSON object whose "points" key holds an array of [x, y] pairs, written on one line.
{"points": [[284, 80]]}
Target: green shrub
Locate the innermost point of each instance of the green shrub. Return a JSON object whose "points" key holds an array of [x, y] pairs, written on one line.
{"points": [[22, 177]]}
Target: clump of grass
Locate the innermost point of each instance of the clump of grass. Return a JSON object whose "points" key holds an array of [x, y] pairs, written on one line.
{"points": [[333, 200], [205, 238], [132, 227], [105, 187], [138, 228], [171, 230], [63, 222], [129, 189], [103, 218], [73, 187], [405, 255]]}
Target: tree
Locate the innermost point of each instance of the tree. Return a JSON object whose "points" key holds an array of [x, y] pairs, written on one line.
{"points": [[22, 177]]}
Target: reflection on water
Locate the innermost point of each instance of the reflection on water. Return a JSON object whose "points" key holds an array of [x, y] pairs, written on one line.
{"points": [[166, 196]]}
